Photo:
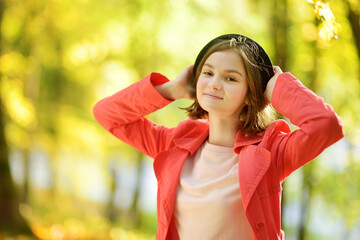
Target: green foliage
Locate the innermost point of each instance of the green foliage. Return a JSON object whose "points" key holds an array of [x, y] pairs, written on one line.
{"points": [[341, 190]]}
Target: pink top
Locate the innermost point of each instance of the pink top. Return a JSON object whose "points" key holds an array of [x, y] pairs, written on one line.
{"points": [[208, 198]]}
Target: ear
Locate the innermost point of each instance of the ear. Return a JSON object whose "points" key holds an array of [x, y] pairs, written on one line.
{"points": [[246, 100]]}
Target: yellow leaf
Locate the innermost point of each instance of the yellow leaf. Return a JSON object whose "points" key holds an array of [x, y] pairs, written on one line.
{"points": [[329, 28]]}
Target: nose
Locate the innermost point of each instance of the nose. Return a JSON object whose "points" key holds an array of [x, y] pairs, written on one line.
{"points": [[215, 83]]}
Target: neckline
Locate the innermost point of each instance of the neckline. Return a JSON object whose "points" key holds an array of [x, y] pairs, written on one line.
{"points": [[217, 148]]}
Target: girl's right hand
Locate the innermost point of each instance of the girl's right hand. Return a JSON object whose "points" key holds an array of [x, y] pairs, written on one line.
{"points": [[181, 87]]}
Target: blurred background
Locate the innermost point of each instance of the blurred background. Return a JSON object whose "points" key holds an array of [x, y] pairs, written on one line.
{"points": [[62, 176]]}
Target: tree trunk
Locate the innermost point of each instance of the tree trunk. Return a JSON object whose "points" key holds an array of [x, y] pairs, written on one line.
{"points": [[111, 208], [306, 195], [11, 220], [354, 20], [308, 170], [279, 29], [134, 209], [8, 200]]}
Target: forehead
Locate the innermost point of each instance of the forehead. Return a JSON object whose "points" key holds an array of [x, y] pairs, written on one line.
{"points": [[226, 59]]}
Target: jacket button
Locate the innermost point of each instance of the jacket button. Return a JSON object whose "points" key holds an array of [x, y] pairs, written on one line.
{"points": [[259, 225]]}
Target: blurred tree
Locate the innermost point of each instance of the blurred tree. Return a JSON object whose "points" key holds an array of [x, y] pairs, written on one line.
{"points": [[135, 214], [279, 34], [279, 26], [11, 220], [308, 175], [111, 211], [353, 16]]}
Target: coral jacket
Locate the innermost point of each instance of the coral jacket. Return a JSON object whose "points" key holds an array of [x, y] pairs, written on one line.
{"points": [[265, 160]]}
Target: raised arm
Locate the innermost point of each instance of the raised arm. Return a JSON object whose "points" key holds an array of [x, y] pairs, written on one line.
{"points": [[122, 114], [319, 126]]}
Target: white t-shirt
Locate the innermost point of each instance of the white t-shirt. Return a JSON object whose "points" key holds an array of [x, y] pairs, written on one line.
{"points": [[208, 202]]}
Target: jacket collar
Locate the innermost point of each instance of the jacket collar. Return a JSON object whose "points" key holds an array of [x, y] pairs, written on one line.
{"points": [[194, 133], [244, 139], [192, 139]]}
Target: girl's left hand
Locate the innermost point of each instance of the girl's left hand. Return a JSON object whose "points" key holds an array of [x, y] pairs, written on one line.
{"points": [[271, 84], [181, 87]]}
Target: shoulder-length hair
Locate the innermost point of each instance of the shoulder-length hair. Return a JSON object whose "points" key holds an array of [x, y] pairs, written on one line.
{"points": [[256, 115]]}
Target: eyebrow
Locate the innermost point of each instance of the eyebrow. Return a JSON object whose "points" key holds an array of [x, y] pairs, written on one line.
{"points": [[227, 70]]}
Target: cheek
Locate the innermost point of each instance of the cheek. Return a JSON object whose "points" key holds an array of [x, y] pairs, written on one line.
{"points": [[199, 83], [240, 97], [199, 87]]}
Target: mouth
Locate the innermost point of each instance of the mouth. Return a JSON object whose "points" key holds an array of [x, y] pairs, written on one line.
{"points": [[212, 96]]}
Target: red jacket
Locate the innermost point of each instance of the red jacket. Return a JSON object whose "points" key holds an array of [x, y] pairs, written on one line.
{"points": [[265, 160]]}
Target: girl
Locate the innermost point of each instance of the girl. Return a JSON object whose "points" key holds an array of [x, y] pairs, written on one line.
{"points": [[220, 173]]}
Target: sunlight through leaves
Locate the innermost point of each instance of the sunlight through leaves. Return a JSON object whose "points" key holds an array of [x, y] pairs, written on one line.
{"points": [[329, 28]]}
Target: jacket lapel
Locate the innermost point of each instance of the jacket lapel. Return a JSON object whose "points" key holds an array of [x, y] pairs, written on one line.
{"points": [[254, 161], [168, 165], [167, 168]]}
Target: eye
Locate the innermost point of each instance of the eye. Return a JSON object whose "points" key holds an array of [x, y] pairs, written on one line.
{"points": [[208, 73], [231, 79]]}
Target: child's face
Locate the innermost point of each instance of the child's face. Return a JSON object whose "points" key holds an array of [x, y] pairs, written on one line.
{"points": [[222, 85]]}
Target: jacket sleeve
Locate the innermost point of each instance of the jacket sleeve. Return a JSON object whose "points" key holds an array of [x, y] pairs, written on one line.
{"points": [[122, 114], [319, 126]]}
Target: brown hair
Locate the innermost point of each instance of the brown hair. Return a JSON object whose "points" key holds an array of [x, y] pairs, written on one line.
{"points": [[256, 115]]}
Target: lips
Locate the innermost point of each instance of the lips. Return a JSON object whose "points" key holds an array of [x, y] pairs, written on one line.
{"points": [[213, 96]]}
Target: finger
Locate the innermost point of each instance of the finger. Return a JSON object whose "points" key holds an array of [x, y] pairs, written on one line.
{"points": [[191, 68], [277, 70]]}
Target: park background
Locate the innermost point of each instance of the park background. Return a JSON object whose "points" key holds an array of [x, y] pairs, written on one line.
{"points": [[62, 176]]}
